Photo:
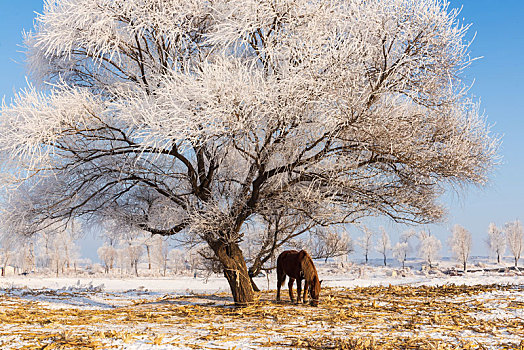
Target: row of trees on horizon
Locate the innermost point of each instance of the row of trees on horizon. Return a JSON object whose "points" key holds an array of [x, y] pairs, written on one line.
{"points": [[152, 254], [498, 241]]}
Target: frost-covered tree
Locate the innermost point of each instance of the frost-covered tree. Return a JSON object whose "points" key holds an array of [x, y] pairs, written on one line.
{"points": [[148, 244], [496, 241], [122, 260], [515, 239], [8, 248], [108, 255], [460, 244], [383, 244], [160, 252], [44, 241], [325, 243], [400, 252], [192, 118], [365, 242], [67, 238], [133, 252], [25, 256], [406, 235], [177, 261], [428, 248], [60, 251], [403, 247]]}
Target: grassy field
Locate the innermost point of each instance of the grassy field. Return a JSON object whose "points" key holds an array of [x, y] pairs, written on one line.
{"points": [[394, 317]]}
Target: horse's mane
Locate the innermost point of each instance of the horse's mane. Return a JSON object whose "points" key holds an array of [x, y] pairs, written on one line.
{"points": [[310, 272]]}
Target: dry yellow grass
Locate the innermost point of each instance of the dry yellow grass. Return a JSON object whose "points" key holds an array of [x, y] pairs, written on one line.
{"points": [[394, 317]]}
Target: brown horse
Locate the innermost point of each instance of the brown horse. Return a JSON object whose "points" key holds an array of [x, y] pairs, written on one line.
{"points": [[298, 266]]}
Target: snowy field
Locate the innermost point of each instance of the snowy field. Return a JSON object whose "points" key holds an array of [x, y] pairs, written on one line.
{"points": [[361, 308]]}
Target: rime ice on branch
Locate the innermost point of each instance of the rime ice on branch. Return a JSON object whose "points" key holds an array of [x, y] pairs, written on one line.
{"points": [[194, 118]]}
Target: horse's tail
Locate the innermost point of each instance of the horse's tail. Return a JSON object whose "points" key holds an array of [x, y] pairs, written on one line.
{"points": [[281, 276]]}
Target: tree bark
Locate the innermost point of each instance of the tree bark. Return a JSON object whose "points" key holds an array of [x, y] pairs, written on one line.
{"points": [[235, 271]]}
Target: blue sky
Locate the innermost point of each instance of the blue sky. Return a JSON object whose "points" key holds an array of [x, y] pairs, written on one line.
{"points": [[498, 82]]}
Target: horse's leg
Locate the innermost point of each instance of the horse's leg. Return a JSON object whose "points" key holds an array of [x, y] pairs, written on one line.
{"points": [[299, 289], [281, 277], [305, 291], [290, 286]]}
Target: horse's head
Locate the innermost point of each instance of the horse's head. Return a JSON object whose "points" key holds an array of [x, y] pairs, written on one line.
{"points": [[314, 291]]}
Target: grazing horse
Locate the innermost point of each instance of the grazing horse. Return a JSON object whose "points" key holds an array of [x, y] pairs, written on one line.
{"points": [[298, 266]]}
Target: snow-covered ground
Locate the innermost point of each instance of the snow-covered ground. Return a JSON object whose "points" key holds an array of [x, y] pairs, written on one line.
{"points": [[349, 275], [361, 306]]}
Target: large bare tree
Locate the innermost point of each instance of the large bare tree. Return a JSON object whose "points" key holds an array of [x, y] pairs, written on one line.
{"points": [[195, 118]]}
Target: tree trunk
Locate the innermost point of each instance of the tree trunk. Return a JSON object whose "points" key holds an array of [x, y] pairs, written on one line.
{"points": [[235, 271], [516, 261], [254, 285], [148, 258], [465, 266], [254, 271], [385, 262], [498, 259]]}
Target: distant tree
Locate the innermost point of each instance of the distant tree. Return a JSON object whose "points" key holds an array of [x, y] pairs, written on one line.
{"points": [[122, 259], [67, 238], [108, 255], [460, 244], [55, 248], [400, 252], [366, 241], [25, 255], [148, 242], [160, 252], [406, 237], [383, 244], [325, 243], [134, 252], [57, 253], [496, 241], [515, 238], [428, 248], [44, 249], [177, 260], [8, 249]]}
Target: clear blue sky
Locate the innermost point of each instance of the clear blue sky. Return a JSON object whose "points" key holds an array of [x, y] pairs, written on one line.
{"points": [[498, 77]]}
